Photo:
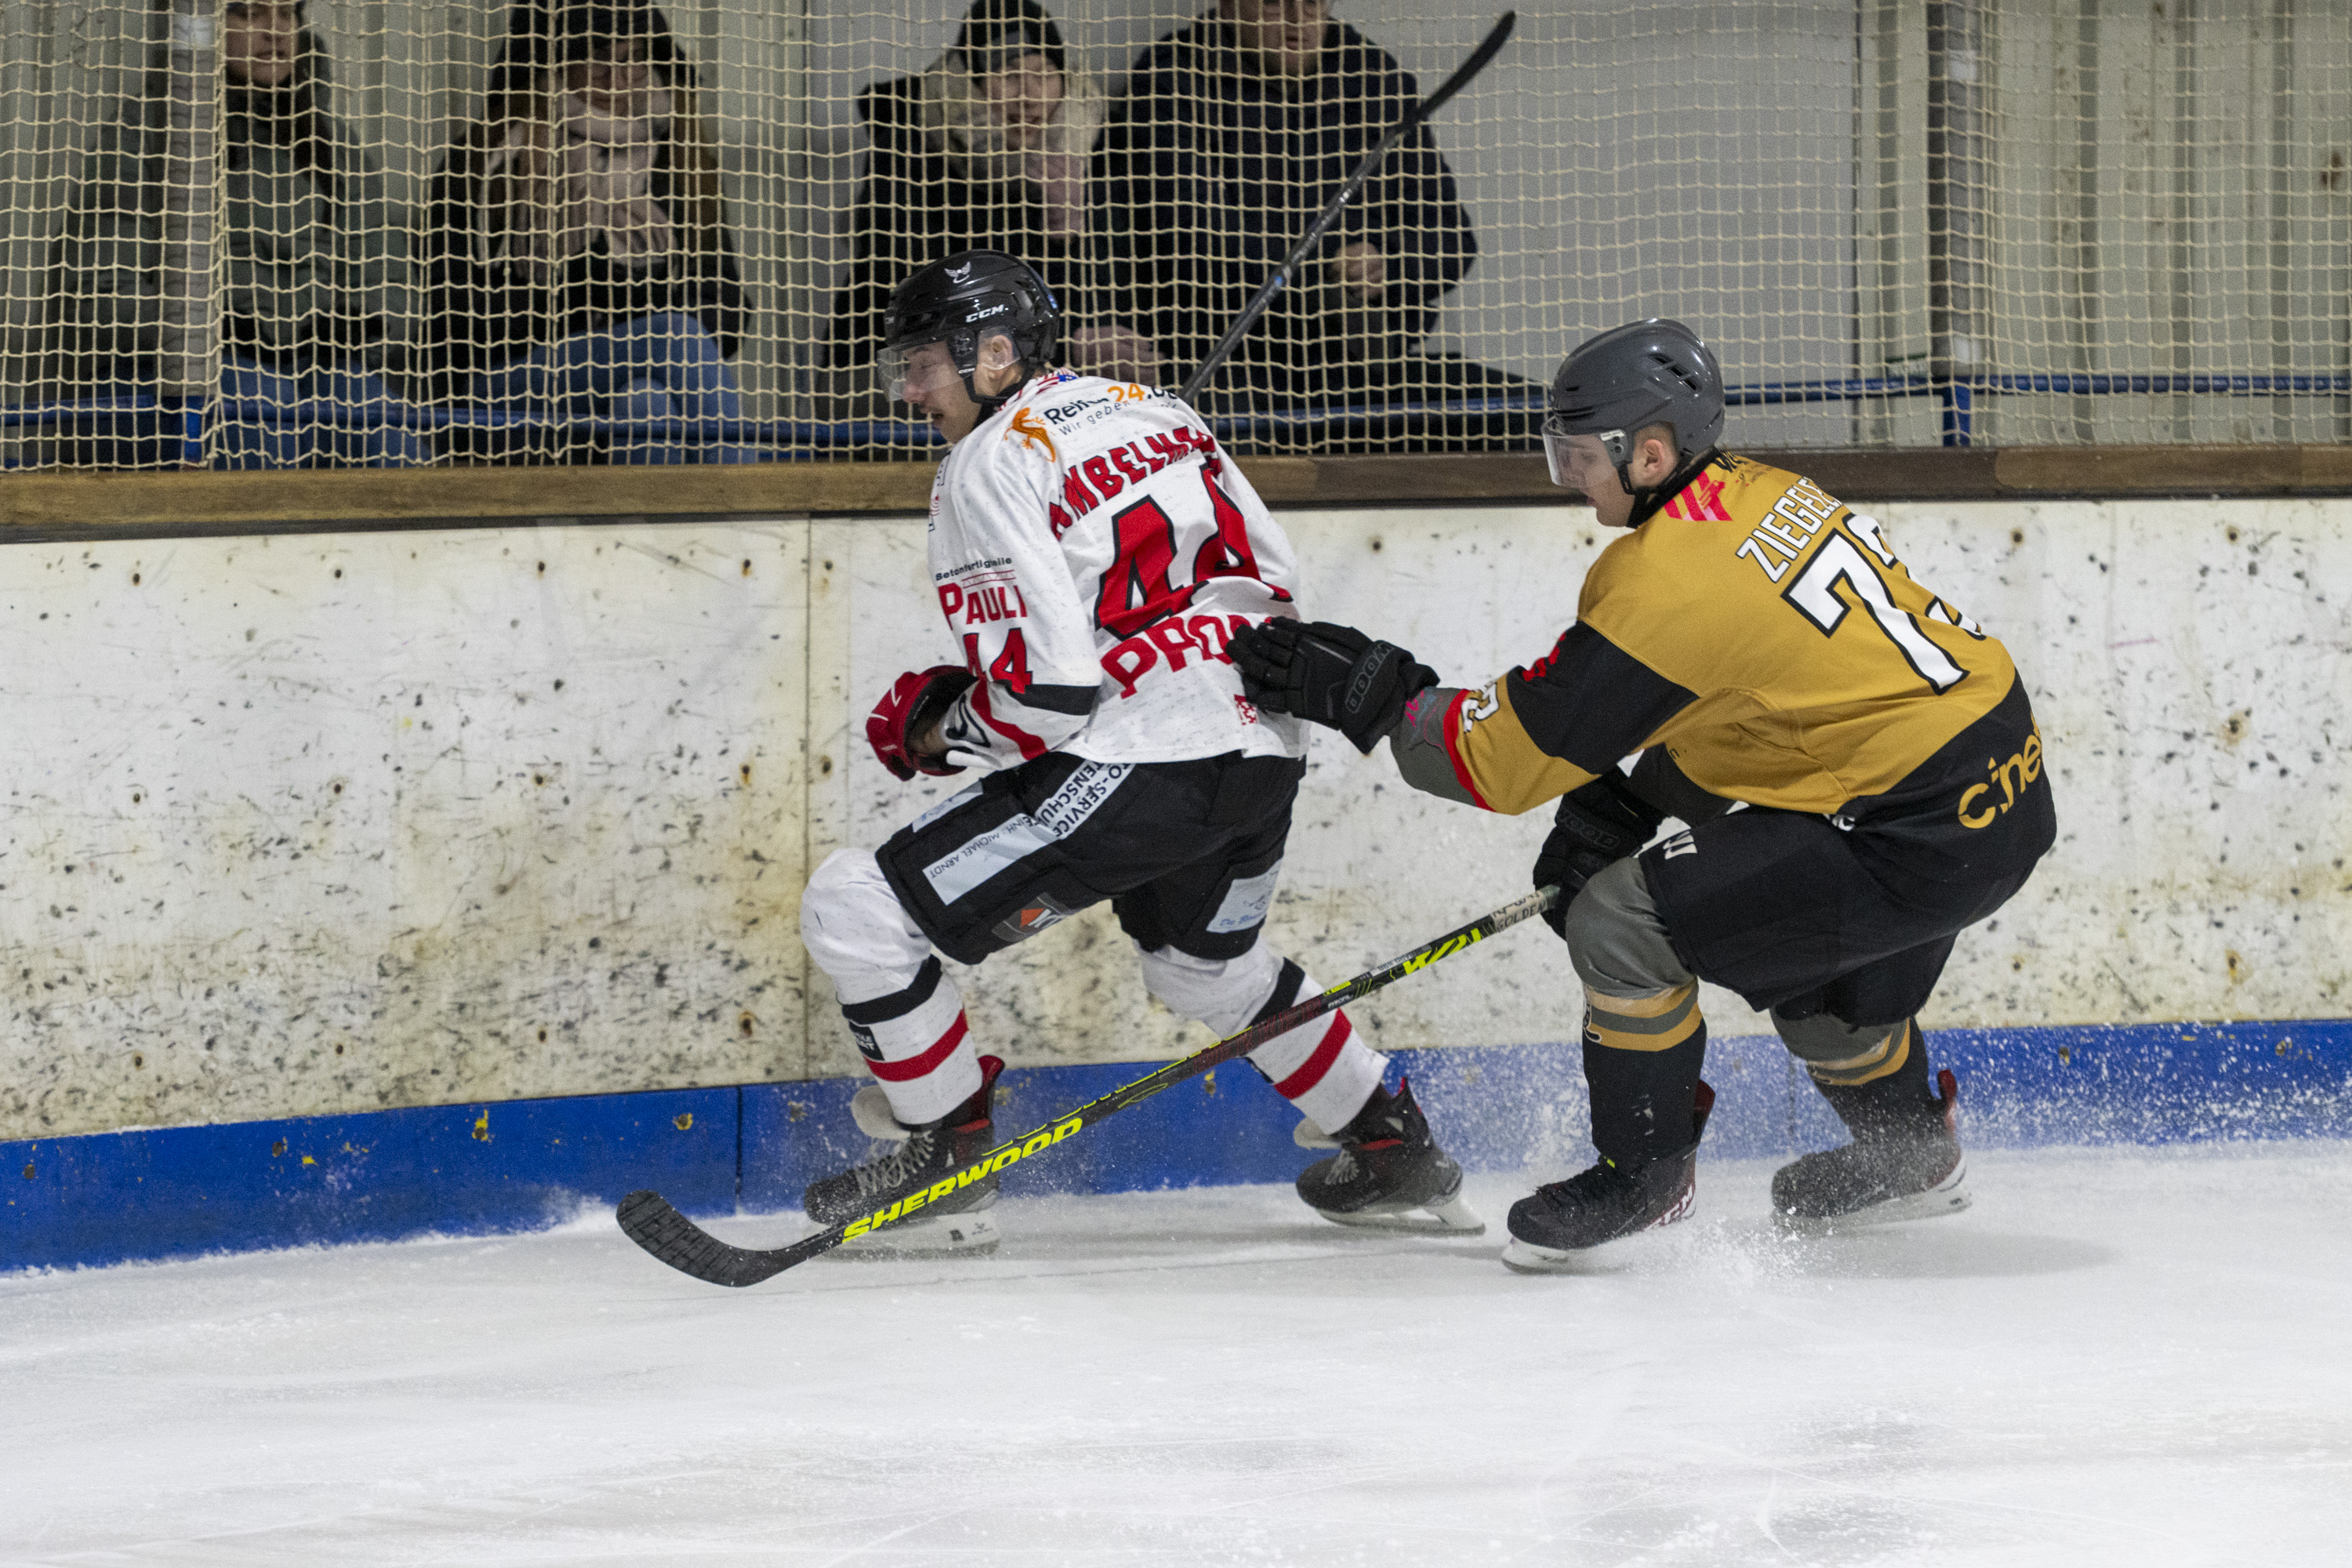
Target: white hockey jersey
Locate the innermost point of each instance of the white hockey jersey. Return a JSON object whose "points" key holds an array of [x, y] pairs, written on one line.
{"points": [[1092, 549]]}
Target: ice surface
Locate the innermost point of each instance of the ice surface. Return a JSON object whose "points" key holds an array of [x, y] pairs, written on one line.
{"points": [[2123, 1358]]}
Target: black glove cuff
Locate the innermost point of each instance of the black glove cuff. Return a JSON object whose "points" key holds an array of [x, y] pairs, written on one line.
{"points": [[1384, 680]]}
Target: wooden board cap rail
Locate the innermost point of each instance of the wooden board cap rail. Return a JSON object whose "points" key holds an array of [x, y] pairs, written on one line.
{"points": [[61, 504]]}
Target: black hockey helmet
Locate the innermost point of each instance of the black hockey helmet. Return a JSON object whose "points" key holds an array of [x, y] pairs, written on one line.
{"points": [[960, 299], [1648, 373]]}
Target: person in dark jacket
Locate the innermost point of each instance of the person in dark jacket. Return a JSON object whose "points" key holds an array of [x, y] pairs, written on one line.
{"points": [[986, 150], [1231, 134], [315, 306], [578, 260]]}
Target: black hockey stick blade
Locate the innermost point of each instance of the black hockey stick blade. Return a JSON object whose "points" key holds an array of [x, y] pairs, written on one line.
{"points": [[1463, 74], [1467, 71], [653, 1223], [647, 1218]]}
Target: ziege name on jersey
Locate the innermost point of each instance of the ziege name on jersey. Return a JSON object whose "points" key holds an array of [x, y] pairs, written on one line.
{"points": [[1093, 550], [1768, 637]]}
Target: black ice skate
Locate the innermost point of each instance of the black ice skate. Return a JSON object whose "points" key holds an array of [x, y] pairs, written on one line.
{"points": [[1904, 1161], [1389, 1174], [958, 1223], [1554, 1228]]}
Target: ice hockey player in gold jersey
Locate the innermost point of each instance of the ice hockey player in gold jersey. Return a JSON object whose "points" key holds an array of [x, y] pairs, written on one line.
{"points": [[1758, 644]]}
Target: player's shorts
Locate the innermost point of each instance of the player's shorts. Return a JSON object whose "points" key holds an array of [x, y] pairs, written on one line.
{"points": [[1188, 853], [1795, 913]]}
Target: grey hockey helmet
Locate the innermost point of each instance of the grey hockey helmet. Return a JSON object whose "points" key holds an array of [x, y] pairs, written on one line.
{"points": [[1648, 373], [960, 300]]}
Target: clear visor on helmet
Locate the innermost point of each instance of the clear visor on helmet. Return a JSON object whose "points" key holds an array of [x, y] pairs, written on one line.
{"points": [[891, 366], [925, 368], [1559, 453]]}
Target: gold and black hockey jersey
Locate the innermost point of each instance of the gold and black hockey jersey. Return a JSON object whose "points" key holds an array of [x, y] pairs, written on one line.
{"points": [[1767, 635]]}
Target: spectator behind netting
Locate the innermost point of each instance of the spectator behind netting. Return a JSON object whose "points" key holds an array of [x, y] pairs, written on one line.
{"points": [[314, 260], [987, 150], [579, 262], [1231, 134]]}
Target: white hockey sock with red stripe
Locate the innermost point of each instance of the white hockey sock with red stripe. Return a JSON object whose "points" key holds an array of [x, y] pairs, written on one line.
{"points": [[1322, 1068], [916, 1046], [905, 1013]]}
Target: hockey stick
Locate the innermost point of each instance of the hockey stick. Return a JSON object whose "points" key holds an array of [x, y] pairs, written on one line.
{"points": [[1486, 51], [649, 1219]]}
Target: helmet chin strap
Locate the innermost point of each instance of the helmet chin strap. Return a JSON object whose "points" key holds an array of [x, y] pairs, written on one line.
{"points": [[989, 405]]}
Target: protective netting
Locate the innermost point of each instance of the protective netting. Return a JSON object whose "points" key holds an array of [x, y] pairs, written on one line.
{"points": [[336, 233]]}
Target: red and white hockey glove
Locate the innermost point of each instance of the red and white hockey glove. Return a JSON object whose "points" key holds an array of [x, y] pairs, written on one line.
{"points": [[914, 701]]}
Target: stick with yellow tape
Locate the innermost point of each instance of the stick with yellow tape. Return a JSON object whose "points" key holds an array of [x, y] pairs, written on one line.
{"points": [[648, 1219]]}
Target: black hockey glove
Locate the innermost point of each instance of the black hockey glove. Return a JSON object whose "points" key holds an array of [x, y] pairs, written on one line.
{"points": [[1598, 825], [1331, 674]]}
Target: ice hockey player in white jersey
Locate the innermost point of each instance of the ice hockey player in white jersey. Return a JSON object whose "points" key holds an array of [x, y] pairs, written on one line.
{"points": [[1092, 549]]}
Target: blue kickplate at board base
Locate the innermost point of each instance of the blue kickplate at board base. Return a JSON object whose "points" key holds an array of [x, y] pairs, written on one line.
{"points": [[525, 1164], [1508, 1107], [108, 1197], [2154, 1083]]}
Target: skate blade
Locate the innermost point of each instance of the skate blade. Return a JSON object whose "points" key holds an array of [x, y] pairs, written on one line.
{"points": [[1521, 1256], [1947, 1197], [1447, 1217], [1527, 1258], [971, 1235], [1602, 1257]]}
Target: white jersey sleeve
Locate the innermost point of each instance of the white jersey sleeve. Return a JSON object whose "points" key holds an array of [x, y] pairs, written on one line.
{"points": [[1092, 549]]}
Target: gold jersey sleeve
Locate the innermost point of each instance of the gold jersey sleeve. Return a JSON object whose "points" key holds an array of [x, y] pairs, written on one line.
{"points": [[1763, 632]]}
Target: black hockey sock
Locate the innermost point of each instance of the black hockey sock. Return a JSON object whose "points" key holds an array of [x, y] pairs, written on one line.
{"points": [[1642, 1101], [1899, 1102]]}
